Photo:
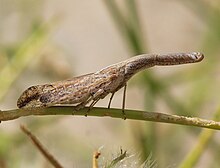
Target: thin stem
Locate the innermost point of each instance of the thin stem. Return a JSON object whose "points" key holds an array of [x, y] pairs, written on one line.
{"points": [[114, 113], [41, 148], [204, 139], [27, 51]]}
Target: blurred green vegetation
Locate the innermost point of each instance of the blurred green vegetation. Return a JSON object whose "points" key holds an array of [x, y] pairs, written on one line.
{"points": [[167, 148], [159, 88], [15, 55]]}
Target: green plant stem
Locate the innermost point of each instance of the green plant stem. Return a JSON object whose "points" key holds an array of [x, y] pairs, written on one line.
{"points": [[204, 139], [128, 27], [27, 51], [114, 113], [193, 157]]}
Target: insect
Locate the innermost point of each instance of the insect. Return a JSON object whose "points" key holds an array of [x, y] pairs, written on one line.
{"points": [[92, 87]]}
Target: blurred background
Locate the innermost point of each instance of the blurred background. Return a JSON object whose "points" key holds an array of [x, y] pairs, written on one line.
{"points": [[45, 41]]}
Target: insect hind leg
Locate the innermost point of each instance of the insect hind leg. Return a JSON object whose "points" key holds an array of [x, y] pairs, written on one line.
{"points": [[123, 102]]}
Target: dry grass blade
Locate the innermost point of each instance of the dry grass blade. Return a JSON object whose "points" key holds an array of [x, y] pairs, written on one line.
{"points": [[41, 148]]}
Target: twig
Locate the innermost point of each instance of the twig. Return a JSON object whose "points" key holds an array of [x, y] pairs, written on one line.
{"points": [[41, 148], [27, 51], [115, 113], [198, 149], [128, 26]]}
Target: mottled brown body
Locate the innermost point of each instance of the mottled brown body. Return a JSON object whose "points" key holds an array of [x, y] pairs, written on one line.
{"points": [[95, 86]]}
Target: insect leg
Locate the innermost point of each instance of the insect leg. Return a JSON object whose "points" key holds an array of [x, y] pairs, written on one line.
{"points": [[96, 97], [91, 106], [93, 97], [110, 100], [123, 102], [82, 105]]}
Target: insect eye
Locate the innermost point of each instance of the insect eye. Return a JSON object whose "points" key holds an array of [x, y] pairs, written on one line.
{"points": [[45, 98], [92, 93]]}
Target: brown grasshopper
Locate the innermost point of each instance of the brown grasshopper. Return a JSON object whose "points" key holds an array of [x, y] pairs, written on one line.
{"points": [[95, 86]]}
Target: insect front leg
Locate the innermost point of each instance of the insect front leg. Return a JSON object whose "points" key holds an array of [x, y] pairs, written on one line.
{"points": [[100, 94], [95, 97], [83, 104]]}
